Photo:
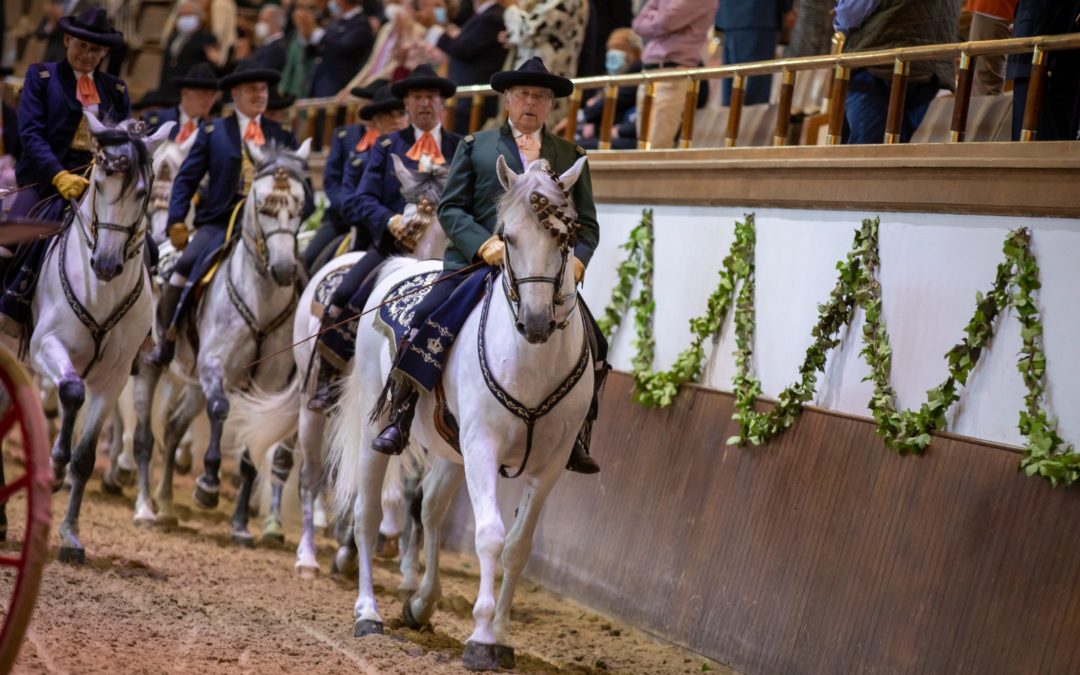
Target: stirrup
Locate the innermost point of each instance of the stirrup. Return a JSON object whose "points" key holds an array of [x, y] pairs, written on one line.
{"points": [[580, 461], [324, 396], [393, 439]]}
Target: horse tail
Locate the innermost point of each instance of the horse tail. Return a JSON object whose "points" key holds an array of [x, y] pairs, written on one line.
{"points": [[262, 419], [343, 436]]}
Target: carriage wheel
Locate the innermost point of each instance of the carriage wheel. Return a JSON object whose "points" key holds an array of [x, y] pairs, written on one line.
{"points": [[22, 562]]}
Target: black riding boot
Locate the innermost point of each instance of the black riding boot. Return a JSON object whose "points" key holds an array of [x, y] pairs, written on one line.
{"points": [[166, 346], [580, 461], [326, 375], [393, 439]]}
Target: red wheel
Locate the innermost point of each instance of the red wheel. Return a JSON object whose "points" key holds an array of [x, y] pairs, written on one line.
{"points": [[26, 491]]}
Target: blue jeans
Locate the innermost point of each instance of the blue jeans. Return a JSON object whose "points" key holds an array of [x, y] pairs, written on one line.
{"points": [[745, 46], [867, 107]]}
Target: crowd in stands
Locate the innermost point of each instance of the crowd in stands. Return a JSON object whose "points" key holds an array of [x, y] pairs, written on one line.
{"points": [[329, 48]]}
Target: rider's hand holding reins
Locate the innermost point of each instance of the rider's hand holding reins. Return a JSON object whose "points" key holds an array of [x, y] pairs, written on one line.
{"points": [[492, 250], [579, 270], [70, 185], [178, 235]]}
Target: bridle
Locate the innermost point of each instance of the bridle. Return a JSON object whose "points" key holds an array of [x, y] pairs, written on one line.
{"points": [[563, 227], [415, 228], [280, 198], [134, 231]]}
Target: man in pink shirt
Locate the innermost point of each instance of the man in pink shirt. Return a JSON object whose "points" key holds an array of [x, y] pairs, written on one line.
{"points": [[675, 32]]}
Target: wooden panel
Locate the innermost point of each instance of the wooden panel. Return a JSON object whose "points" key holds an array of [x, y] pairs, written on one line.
{"points": [[821, 552], [981, 178]]}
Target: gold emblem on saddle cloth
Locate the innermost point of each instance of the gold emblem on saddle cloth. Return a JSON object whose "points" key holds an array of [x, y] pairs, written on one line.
{"points": [[82, 140]]}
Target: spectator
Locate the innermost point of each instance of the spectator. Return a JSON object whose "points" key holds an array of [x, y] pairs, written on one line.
{"points": [[675, 32], [551, 29], [813, 30], [1061, 108], [343, 46], [299, 60], [751, 31], [623, 56], [475, 55], [872, 24], [220, 20], [399, 45], [604, 17], [189, 45], [270, 38], [990, 20]]}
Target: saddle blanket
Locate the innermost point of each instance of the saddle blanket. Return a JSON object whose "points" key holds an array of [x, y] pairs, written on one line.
{"points": [[326, 288], [398, 310]]}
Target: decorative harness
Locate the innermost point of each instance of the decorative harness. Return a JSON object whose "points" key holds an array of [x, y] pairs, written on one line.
{"points": [[544, 211], [132, 248]]}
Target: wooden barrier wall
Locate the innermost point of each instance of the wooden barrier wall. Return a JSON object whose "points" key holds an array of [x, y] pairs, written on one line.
{"points": [[822, 552]]}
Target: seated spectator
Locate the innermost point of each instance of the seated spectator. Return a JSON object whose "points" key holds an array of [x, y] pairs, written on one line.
{"points": [[990, 20], [1060, 114], [475, 55], [188, 45], [751, 31], [813, 30], [400, 45], [873, 25], [270, 38], [623, 56], [299, 60], [219, 17], [343, 46]]}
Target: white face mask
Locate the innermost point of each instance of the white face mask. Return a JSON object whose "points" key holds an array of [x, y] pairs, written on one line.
{"points": [[187, 24], [262, 31], [392, 12]]}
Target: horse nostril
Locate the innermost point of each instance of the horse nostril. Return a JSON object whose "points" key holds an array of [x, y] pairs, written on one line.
{"points": [[520, 325], [551, 324]]}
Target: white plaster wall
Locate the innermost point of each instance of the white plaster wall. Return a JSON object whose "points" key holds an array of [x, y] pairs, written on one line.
{"points": [[932, 266]]}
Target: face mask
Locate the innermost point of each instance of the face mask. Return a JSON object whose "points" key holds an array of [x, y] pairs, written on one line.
{"points": [[262, 31], [333, 9], [187, 24], [440, 15], [614, 61], [392, 12]]}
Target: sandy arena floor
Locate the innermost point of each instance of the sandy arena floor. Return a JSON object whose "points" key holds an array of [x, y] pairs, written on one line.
{"points": [[188, 600]]}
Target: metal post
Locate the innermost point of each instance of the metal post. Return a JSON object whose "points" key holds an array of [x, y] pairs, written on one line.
{"points": [[607, 119], [689, 108], [1029, 131], [783, 112], [475, 111], [738, 88], [645, 116], [571, 114], [841, 75], [894, 122], [963, 98]]}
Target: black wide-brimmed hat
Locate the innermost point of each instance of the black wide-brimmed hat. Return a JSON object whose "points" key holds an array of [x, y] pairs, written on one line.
{"points": [[383, 101], [368, 92], [532, 73], [279, 101], [250, 70], [154, 98], [423, 77], [92, 25], [201, 76]]}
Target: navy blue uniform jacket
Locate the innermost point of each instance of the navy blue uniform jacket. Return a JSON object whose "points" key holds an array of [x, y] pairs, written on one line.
{"points": [[343, 50], [476, 55], [342, 151], [378, 197], [49, 115], [217, 151]]}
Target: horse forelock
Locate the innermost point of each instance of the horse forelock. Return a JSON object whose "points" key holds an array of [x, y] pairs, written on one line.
{"points": [[537, 178], [424, 184], [123, 143]]}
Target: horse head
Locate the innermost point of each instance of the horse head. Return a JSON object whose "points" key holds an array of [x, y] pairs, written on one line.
{"points": [[120, 184], [274, 208], [538, 224], [421, 191], [168, 158]]}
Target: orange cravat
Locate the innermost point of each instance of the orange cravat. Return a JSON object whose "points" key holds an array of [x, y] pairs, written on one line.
{"points": [[426, 146], [186, 131], [86, 92], [367, 140], [254, 133]]}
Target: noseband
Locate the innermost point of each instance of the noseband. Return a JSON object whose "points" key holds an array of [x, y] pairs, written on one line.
{"points": [[112, 166], [278, 200]]}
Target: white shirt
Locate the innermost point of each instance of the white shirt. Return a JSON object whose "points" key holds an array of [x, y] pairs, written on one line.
{"points": [[436, 133], [536, 136]]}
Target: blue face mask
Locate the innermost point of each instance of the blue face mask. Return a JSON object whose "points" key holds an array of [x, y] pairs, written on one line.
{"points": [[440, 15], [615, 61]]}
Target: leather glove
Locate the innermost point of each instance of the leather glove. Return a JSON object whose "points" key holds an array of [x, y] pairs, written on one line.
{"points": [[70, 185], [178, 235], [579, 271], [492, 251]]}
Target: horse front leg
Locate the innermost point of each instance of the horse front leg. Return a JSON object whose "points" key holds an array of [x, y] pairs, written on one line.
{"points": [[439, 486], [175, 428], [240, 533], [145, 383], [208, 485], [311, 431], [82, 465], [71, 390]]}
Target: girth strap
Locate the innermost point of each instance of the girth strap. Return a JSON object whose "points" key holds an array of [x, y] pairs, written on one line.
{"points": [[258, 332], [97, 331], [528, 415]]}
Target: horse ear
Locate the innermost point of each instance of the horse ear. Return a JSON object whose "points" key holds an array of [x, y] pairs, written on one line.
{"points": [[255, 153], [505, 173], [162, 134], [304, 150], [572, 174], [96, 126]]}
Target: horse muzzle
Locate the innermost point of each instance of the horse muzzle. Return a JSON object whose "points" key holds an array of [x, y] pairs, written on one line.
{"points": [[283, 274], [107, 267], [536, 329]]}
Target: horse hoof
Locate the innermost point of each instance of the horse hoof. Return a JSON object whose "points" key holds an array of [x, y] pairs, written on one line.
{"points": [[166, 521], [480, 657], [125, 477], [243, 539], [206, 498], [71, 554], [386, 547], [306, 572], [345, 562], [507, 660], [111, 488], [182, 469], [272, 539], [143, 522], [364, 627], [407, 616]]}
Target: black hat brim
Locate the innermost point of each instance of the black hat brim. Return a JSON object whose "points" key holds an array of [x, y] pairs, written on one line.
{"points": [[195, 83], [283, 102], [113, 39], [372, 109], [234, 79], [561, 86], [445, 87]]}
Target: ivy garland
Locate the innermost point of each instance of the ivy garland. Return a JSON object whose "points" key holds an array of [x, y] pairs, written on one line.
{"points": [[1046, 454]]}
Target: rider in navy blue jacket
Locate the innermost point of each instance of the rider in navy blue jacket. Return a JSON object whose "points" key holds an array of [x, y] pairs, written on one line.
{"points": [[218, 150], [198, 92]]}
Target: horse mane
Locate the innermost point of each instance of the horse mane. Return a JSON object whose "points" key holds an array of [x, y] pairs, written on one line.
{"points": [[538, 177]]}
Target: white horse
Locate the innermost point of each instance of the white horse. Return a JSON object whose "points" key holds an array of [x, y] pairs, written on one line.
{"points": [[522, 355], [263, 420], [92, 307], [244, 314], [168, 159]]}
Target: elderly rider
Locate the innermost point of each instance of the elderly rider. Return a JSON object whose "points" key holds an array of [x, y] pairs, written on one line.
{"points": [[56, 142], [198, 93], [468, 213], [377, 205], [219, 151]]}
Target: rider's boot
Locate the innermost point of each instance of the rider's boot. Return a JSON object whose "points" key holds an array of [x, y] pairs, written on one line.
{"points": [[326, 379], [580, 460], [166, 346], [393, 439]]}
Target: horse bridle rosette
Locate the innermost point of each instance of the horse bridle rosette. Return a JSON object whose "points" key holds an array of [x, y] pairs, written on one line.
{"points": [[280, 199]]}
